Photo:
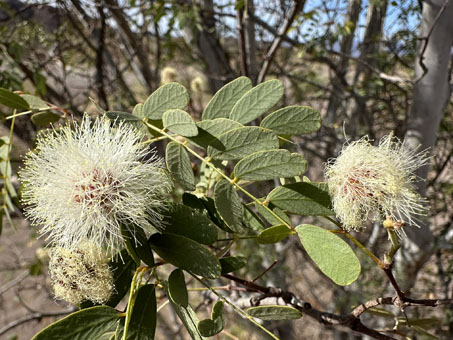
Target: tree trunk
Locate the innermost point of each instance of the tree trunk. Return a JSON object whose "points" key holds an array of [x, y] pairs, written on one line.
{"points": [[430, 96], [250, 41]]}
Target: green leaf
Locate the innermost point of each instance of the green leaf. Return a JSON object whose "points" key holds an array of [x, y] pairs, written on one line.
{"points": [[44, 118], [35, 103], [251, 220], [274, 234], [271, 218], [331, 254], [241, 142], [182, 220], [186, 254], [209, 130], [138, 111], [223, 101], [88, 323], [189, 319], [142, 325], [12, 100], [257, 101], [293, 120], [232, 263], [178, 163], [177, 291], [274, 312], [166, 97], [228, 204], [270, 164], [205, 205], [213, 326], [123, 269], [137, 244], [307, 199], [179, 122]]}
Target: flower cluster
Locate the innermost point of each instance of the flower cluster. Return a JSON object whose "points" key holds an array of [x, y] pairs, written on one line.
{"points": [[368, 182], [83, 183], [80, 274]]}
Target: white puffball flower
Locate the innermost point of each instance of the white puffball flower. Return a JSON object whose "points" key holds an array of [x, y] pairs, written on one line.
{"points": [[168, 75], [199, 84], [80, 274], [83, 183], [369, 182]]}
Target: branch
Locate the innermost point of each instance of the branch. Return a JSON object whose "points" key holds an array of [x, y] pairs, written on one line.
{"points": [[297, 5], [136, 42], [33, 316], [272, 30], [351, 321]]}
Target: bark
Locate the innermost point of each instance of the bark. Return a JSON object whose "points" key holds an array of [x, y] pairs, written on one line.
{"points": [[250, 41], [345, 50], [431, 93]]}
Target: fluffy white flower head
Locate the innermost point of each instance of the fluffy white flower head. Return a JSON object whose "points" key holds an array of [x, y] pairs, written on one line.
{"points": [[168, 75], [80, 274], [368, 182], [82, 183]]}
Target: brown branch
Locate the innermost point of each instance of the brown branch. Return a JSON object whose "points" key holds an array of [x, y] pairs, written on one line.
{"points": [[33, 316], [272, 30], [352, 320], [80, 28], [297, 6]]}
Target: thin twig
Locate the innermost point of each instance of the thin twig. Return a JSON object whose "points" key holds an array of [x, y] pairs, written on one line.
{"points": [[33, 316], [297, 5]]}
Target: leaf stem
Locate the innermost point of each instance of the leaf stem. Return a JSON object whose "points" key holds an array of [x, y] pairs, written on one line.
{"points": [[208, 162], [388, 258], [132, 295], [237, 238], [365, 250], [355, 241], [14, 115]]}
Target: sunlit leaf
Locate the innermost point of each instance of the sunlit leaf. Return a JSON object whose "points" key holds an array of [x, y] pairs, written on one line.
{"points": [[241, 142], [331, 254], [257, 101], [293, 120], [223, 101], [274, 312]]}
